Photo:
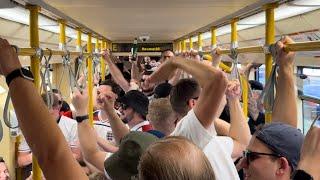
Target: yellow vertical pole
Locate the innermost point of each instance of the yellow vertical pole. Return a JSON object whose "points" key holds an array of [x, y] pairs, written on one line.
{"points": [[35, 68], [200, 42], [243, 80], [79, 40], [180, 46], [62, 35], [59, 70], [213, 38], [96, 46], [102, 63], [234, 33], [270, 39], [190, 43], [184, 47], [90, 80]]}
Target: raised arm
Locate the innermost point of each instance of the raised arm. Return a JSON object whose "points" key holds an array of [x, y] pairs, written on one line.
{"points": [[50, 149], [285, 106], [212, 81], [87, 138], [115, 72], [310, 155], [239, 129], [119, 129]]}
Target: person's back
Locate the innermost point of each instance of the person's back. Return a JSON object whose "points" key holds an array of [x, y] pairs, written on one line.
{"points": [[175, 158]]}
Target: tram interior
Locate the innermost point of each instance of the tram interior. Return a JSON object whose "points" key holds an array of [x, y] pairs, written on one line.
{"points": [[161, 23]]}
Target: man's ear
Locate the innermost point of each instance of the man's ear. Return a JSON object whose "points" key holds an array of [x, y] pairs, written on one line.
{"points": [[283, 166], [191, 103]]}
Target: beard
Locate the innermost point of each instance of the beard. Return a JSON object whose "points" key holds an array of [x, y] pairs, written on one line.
{"points": [[127, 119]]}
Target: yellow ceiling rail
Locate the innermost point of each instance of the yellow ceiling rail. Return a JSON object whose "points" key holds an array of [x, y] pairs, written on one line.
{"points": [[34, 51], [35, 68], [296, 47]]}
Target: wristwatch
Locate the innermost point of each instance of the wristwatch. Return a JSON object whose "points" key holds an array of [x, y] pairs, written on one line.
{"points": [[79, 119], [21, 72], [301, 175]]}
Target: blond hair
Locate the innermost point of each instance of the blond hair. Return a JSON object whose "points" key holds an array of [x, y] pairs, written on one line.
{"points": [[174, 158], [160, 114]]}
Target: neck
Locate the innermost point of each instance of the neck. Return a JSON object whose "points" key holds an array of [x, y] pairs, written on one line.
{"points": [[135, 121], [103, 115]]}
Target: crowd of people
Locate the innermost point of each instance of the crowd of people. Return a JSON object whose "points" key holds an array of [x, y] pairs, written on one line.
{"points": [[177, 119]]}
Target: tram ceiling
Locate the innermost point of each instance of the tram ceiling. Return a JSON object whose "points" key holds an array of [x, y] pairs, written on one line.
{"points": [[164, 20]]}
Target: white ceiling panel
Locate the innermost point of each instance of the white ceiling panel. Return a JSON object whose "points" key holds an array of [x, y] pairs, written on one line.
{"points": [[162, 20]]}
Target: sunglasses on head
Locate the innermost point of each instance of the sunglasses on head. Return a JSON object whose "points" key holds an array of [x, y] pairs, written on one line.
{"points": [[251, 156]]}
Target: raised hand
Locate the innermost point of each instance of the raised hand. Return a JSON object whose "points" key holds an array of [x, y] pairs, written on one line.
{"points": [[80, 101], [284, 58], [233, 89], [9, 60]]}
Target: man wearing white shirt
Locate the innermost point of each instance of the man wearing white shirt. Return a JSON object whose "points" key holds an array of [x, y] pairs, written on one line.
{"points": [[67, 126], [198, 125]]}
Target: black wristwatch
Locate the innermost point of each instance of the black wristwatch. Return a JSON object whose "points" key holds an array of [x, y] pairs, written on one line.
{"points": [[79, 119], [301, 175], [21, 72]]}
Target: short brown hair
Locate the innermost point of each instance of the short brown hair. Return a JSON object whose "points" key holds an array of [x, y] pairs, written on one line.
{"points": [[160, 115], [55, 99], [181, 93], [174, 158]]}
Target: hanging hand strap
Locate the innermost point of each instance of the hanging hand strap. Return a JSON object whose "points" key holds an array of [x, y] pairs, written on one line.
{"points": [[268, 94]]}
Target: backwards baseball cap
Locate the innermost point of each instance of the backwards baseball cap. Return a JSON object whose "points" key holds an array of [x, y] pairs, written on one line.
{"points": [[123, 164], [283, 139], [136, 100]]}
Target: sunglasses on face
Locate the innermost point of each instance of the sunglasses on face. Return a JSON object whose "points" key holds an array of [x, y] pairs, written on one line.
{"points": [[251, 156]]}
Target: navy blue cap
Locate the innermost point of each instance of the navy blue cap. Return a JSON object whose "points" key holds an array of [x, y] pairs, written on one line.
{"points": [[283, 139]]}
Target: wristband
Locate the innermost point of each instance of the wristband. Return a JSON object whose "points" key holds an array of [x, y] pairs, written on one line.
{"points": [[79, 119]]}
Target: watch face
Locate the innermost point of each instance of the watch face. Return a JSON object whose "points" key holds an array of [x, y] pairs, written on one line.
{"points": [[27, 74]]}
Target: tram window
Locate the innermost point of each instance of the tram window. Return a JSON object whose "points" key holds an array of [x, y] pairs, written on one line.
{"points": [[311, 84], [260, 74], [310, 111]]}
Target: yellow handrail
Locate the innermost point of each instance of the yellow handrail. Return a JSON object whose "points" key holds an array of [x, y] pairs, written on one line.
{"points": [[297, 46], [35, 68]]}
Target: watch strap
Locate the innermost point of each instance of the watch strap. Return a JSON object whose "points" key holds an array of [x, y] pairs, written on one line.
{"points": [[301, 175], [79, 119], [21, 72]]}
